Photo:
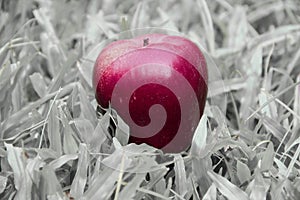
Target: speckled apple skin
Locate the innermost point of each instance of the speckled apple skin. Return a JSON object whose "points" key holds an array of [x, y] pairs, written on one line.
{"points": [[158, 84]]}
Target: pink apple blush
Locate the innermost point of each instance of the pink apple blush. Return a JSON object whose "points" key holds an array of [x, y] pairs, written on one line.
{"points": [[157, 83]]}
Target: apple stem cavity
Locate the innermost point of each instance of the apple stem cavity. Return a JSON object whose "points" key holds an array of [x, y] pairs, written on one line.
{"points": [[146, 42]]}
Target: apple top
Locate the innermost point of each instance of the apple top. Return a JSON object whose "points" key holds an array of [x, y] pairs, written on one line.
{"points": [[175, 44]]}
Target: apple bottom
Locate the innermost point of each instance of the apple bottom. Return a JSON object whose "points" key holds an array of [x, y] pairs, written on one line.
{"points": [[163, 107], [160, 111]]}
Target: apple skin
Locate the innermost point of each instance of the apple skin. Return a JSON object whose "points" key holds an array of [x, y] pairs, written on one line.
{"points": [[158, 84]]}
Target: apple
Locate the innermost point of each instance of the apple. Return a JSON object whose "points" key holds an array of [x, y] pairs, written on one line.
{"points": [[157, 83]]}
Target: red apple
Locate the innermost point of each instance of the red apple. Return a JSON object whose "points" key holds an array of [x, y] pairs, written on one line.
{"points": [[158, 84]]}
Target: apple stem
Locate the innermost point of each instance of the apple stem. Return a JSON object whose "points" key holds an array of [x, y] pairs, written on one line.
{"points": [[146, 42]]}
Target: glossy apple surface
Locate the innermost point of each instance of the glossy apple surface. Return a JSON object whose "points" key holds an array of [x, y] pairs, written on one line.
{"points": [[158, 84]]}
